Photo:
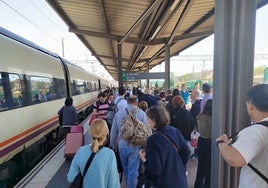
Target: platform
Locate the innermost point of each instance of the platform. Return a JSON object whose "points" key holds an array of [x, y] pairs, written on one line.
{"points": [[52, 171]]}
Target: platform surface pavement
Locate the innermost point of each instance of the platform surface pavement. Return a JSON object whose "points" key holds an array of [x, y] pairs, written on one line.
{"points": [[58, 179], [191, 167], [53, 174]]}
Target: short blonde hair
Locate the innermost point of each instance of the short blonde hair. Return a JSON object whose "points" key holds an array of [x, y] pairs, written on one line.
{"points": [[99, 131]]}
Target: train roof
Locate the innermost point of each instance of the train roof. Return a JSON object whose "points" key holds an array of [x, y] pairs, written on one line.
{"points": [[24, 41]]}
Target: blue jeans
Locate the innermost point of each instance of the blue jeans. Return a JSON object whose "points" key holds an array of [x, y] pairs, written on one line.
{"points": [[130, 162]]}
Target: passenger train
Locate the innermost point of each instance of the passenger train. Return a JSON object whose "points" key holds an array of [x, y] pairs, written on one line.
{"points": [[33, 86]]}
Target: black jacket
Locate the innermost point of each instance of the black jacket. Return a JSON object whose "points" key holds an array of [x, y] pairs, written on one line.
{"points": [[195, 110], [165, 166], [182, 119]]}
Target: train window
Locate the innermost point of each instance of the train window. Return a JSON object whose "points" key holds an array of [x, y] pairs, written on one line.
{"points": [[89, 86], [95, 87], [15, 83], [74, 88], [81, 87], [60, 88], [56, 89], [36, 90], [92, 86], [103, 86], [10, 91], [40, 87]]}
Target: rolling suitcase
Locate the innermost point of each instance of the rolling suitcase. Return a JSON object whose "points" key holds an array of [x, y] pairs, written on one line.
{"points": [[77, 129], [72, 143]]}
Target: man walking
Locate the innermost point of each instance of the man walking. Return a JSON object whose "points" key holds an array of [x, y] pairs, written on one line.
{"points": [[120, 98], [206, 88], [129, 154]]}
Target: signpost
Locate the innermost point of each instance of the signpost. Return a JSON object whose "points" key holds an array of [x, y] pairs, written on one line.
{"points": [[141, 76]]}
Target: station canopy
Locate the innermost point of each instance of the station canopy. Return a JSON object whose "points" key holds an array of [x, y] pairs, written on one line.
{"points": [[142, 27]]}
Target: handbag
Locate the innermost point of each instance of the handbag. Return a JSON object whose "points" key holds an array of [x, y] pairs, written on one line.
{"points": [[194, 137], [118, 161], [119, 165], [78, 180], [92, 118], [144, 182]]}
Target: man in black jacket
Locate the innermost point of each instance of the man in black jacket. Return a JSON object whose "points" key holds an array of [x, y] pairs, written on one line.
{"points": [[195, 109]]}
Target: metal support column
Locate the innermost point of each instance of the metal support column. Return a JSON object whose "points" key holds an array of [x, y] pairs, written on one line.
{"points": [[147, 80], [139, 82], [233, 74], [119, 63], [167, 67]]}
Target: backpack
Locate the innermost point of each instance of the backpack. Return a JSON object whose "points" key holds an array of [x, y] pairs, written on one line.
{"points": [[112, 111], [133, 130]]}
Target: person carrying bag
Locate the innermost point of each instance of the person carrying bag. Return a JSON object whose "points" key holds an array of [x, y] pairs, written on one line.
{"points": [[103, 172]]}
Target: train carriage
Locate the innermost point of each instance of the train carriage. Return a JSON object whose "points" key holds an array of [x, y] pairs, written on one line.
{"points": [[33, 86]]}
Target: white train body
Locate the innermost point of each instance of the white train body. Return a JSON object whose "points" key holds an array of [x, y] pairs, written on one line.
{"points": [[26, 71]]}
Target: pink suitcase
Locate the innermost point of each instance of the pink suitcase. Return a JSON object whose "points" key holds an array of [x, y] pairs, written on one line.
{"points": [[72, 143], [77, 129]]}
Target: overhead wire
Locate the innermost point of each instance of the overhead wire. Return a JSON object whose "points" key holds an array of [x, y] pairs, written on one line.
{"points": [[28, 20], [56, 25], [20, 14], [42, 12]]}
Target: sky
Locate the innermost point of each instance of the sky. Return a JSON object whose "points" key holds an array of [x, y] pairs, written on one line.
{"points": [[36, 21]]}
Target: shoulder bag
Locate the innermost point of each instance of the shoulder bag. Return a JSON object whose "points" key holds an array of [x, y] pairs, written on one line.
{"points": [[170, 140], [78, 181]]}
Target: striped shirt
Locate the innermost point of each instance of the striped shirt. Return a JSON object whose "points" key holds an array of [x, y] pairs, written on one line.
{"points": [[101, 107]]}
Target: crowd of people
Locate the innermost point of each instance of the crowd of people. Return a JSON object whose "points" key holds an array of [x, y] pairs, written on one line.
{"points": [[162, 161]]}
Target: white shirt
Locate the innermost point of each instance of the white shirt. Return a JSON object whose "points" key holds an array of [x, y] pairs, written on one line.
{"points": [[252, 143]]}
